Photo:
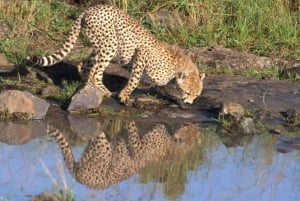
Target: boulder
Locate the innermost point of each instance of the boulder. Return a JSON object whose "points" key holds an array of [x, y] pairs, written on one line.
{"points": [[22, 104], [232, 110], [87, 97]]}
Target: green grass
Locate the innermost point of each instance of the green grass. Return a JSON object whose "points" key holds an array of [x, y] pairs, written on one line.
{"points": [[264, 27], [268, 73], [67, 89]]}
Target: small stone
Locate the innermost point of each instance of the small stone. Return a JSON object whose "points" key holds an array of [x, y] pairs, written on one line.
{"points": [[45, 196], [148, 103], [251, 100], [147, 100], [15, 103], [88, 97], [275, 131], [233, 109]]}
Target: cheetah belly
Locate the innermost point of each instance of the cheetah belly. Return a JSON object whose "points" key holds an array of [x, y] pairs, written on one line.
{"points": [[158, 70]]}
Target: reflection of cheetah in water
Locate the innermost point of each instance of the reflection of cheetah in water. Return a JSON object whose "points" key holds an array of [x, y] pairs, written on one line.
{"points": [[103, 164], [114, 33]]}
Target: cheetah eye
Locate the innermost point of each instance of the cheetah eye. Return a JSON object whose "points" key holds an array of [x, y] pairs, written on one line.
{"points": [[187, 93]]}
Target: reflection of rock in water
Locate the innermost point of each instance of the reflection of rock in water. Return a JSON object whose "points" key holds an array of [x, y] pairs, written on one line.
{"points": [[20, 132], [287, 144], [103, 163]]}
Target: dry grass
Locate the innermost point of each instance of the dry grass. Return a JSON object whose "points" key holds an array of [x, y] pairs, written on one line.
{"points": [[265, 27]]}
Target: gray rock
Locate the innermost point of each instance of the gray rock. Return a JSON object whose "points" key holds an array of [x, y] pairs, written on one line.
{"points": [[45, 196], [233, 110], [220, 57], [88, 97], [15, 103]]}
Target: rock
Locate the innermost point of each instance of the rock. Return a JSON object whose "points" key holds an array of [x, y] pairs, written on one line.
{"points": [[22, 104], [220, 57], [232, 110], [148, 103], [237, 123], [87, 97], [272, 96], [46, 196], [275, 131]]}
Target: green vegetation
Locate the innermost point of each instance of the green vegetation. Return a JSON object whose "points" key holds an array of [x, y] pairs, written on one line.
{"points": [[274, 73], [225, 122], [67, 89], [265, 27]]}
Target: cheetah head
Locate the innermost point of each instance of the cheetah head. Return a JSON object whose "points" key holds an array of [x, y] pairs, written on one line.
{"points": [[187, 134], [191, 85]]}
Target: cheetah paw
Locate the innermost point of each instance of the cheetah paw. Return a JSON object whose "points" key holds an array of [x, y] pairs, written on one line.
{"points": [[124, 98]]}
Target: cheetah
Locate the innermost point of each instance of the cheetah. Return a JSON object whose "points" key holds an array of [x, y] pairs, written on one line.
{"points": [[113, 34], [104, 163]]}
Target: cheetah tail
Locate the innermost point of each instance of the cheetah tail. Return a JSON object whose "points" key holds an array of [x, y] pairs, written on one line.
{"points": [[64, 50], [64, 146]]}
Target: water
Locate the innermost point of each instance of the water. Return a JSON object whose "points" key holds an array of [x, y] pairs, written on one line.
{"points": [[252, 169]]}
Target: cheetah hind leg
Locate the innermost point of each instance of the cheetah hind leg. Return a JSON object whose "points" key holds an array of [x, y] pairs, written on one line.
{"points": [[135, 143], [85, 66], [138, 66], [95, 75]]}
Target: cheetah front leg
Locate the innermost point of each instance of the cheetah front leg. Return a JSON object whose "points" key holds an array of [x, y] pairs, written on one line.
{"points": [[138, 67]]}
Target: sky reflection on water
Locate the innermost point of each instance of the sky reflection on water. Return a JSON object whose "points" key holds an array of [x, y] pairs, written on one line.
{"points": [[255, 171]]}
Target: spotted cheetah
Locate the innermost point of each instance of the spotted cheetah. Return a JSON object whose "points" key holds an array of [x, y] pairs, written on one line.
{"points": [[114, 34], [103, 163]]}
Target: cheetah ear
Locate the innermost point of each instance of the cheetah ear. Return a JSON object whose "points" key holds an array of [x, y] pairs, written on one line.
{"points": [[202, 76]]}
